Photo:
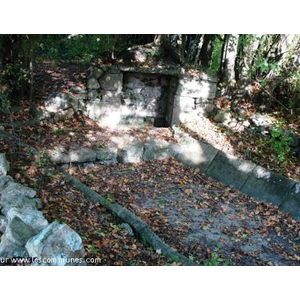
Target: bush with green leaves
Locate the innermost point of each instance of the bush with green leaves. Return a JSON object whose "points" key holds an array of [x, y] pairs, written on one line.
{"points": [[280, 142]]}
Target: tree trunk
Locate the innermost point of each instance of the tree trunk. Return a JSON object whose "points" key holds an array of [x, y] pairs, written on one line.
{"points": [[229, 59], [207, 50]]}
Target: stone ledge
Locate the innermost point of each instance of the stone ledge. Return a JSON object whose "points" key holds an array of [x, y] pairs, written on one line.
{"points": [[230, 170], [267, 186]]}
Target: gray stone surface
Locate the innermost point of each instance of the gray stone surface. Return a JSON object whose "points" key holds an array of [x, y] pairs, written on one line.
{"points": [[185, 104], [230, 170], [57, 101], [16, 235], [111, 82], [157, 150], [267, 186], [262, 120], [97, 72], [93, 94], [195, 154], [59, 155], [292, 202], [4, 165], [56, 241], [3, 223], [29, 216], [4, 181], [82, 155], [189, 86], [131, 153], [17, 189], [16, 201], [93, 84], [223, 117], [107, 156], [114, 98], [94, 109]]}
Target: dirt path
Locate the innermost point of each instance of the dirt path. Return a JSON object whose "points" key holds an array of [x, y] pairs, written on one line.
{"points": [[200, 217]]}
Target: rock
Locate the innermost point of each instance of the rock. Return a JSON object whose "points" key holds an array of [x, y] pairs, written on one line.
{"points": [[261, 120], [15, 201], [4, 181], [93, 109], [113, 98], [15, 237], [80, 93], [58, 101], [223, 117], [112, 82], [93, 84], [246, 124], [97, 72], [59, 155], [127, 228], [77, 90], [185, 104], [4, 165], [107, 156], [193, 153], [3, 223], [157, 150], [29, 216], [58, 242], [131, 153], [292, 203], [267, 186], [17, 189], [82, 155], [93, 94], [230, 170]]}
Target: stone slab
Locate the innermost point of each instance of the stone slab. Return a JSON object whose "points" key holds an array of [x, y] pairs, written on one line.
{"points": [[267, 186], [230, 170], [292, 203], [196, 154]]}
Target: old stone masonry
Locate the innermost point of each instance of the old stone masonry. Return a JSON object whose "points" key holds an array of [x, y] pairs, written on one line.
{"points": [[26, 232], [136, 96]]}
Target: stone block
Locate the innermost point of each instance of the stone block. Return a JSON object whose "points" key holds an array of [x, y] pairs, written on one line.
{"points": [[195, 154], [111, 97], [131, 153], [93, 84], [111, 82], [267, 186], [107, 156], [195, 88], [184, 104], [292, 203], [82, 155], [230, 170]]}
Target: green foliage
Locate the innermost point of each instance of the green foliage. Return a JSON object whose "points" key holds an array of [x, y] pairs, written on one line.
{"points": [[216, 56], [216, 260], [280, 143], [86, 47]]}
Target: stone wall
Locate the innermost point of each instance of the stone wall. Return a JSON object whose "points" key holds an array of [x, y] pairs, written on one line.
{"points": [[138, 96], [26, 232]]}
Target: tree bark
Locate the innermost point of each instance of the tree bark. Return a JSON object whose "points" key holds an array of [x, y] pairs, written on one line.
{"points": [[229, 59]]}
